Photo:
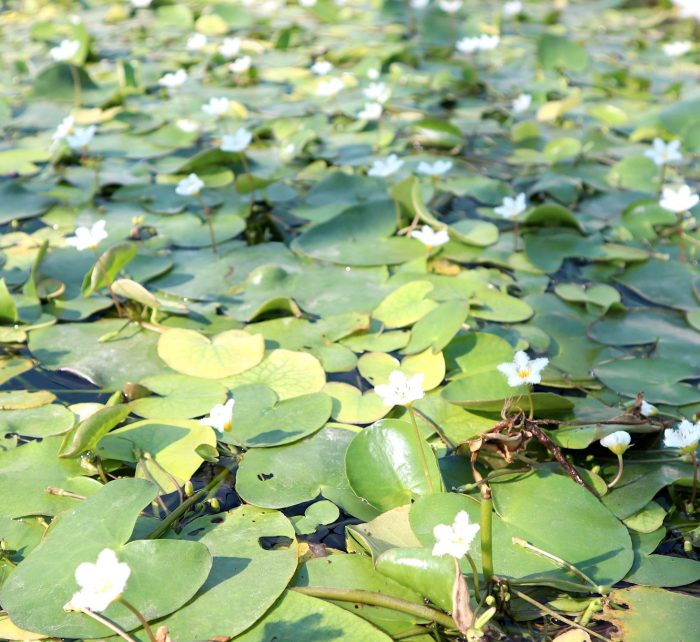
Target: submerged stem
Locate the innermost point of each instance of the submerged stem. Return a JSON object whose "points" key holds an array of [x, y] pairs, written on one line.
{"points": [[486, 533], [140, 618], [109, 624]]}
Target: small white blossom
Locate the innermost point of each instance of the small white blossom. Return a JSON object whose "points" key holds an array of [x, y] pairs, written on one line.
{"points": [[377, 92], [618, 441], [230, 47], [467, 45], [676, 49], [196, 42], [173, 80], [488, 43], [236, 142], [373, 73], [401, 390], [216, 106], [450, 6], [371, 111], [241, 65], [438, 168], [307, 3], [190, 186], [678, 200], [329, 87], [688, 8], [100, 583], [662, 152], [220, 416], [523, 369], [522, 103], [65, 51], [141, 4], [512, 8], [648, 410], [685, 436], [63, 130], [385, 167], [321, 68], [429, 237], [88, 238], [455, 539], [80, 137], [512, 207], [187, 125]]}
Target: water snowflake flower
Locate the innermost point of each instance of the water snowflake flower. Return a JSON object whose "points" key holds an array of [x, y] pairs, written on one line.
{"points": [[241, 65], [220, 416], [80, 137], [377, 92], [676, 49], [438, 168], [173, 80], [401, 390], [230, 47], [678, 200], [662, 152], [236, 142], [329, 87], [523, 370], [385, 167], [196, 42], [190, 186], [522, 103], [455, 539], [216, 106], [685, 436], [512, 207], [648, 410], [66, 50], [450, 6], [513, 8], [371, 111], [429, 237], [618, 442], [88, 238], [100, 583], [321, 68]]}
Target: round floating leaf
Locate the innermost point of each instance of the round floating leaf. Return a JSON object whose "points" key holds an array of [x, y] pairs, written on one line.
{"points": [[405, 305], [223, 355], [492, 305], [377, 366], [438, 327], [388, 465], [478, 233], [178, 397], [44, 421], [351, 406]]}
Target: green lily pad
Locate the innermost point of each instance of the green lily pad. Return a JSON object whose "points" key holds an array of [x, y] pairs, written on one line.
{"points": [[178, 397]]}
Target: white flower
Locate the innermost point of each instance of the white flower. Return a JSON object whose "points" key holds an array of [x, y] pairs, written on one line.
{"points": [[100, 583], [187, 125], [467, 45], [488, 43], [678, 200], [140, 4], [662, 153], [230, 47], [236, 142], [196, 42], [220, 416], [618, 441], [373, 73], [287, 152], [65, 51], [190, 186], [241, 65], [450, 6], [678, 48], [512, 207], [307, 3], [80, 137], [688, 8], [88, 238], [321, 67], [523, 369], [429, 237], [512, 8], [377, 92], [371, 111], [419, 4], [401, 390], [386, 167], [455, 539], [685, 436], [216, 106], [438, 168], [173, 80], [64, 129], [522, 103], [329, 87], [648, 410]]}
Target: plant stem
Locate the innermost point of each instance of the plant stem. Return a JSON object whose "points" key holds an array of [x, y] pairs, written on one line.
{"points": [[516, 235], [531, 401], [377, 599], [61, 492], [558, 616], [436, 428], [486, 533], [109, 281], [76, 86], [109, 624], [475, 576], [140, 618], [695, 480], [207, 217], [421, 444], [620, 466]]}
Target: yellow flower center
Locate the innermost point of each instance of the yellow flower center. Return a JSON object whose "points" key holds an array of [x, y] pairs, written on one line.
{"points": [[524, 373]]}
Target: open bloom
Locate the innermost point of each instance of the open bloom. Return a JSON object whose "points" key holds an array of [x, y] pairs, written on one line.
{"points": [[65, 51], [88, 238], [187, 125], [662, 152], [377, 92], [371, 111], [678, 200], [522, 103], [685, 436], [64, 129], [216, 106], [196, 42], [676, 49], [329, 87], [230, 47], [450, 6], [80, 137], [385, 167], [688, 8], [618, 441], [236, 142], [438, 168], [100, 583], [321, 67], [523, 369], [173, 80], [190, 186], [455, 539], [512, 8], [401, 390], [220, 416], [429, 237], [512, 207], [488, 43], [141, 4], [241, 65]]}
